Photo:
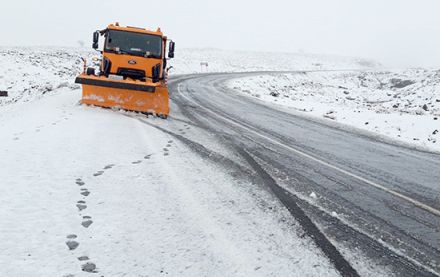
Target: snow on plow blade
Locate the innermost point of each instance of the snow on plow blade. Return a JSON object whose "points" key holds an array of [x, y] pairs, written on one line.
{"points": [[132, 95]]}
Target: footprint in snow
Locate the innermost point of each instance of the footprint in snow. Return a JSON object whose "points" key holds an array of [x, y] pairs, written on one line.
{"points": [[110, 166], [168, 145], [170, 141], [81, 206], [147, 157], [72, 245], [79, 182], [89, 267], [86, 223], [85, 192], [166, 154], [137, 162], [83, 258], [98, 173]]}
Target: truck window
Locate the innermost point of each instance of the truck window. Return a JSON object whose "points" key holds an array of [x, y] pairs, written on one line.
{"points": [[136, 44]]}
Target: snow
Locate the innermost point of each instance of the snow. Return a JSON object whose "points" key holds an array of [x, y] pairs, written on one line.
{"points": [[35, 71], [152, 210], [400, 105], [125, 197], [189, 61]]}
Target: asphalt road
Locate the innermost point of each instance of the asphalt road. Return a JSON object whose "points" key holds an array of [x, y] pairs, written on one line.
{"points": [[376, 197]]}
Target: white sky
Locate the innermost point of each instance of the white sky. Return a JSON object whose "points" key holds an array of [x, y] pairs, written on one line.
{"points": [[395, 32]]}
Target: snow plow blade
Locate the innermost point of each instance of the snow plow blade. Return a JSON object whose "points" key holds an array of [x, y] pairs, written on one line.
{"points": [[128, 94]]}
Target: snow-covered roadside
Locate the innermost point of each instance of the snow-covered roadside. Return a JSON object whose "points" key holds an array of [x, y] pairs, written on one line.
{"points": [[189, 61], [134, 199], [401, 105], [29, 73]]}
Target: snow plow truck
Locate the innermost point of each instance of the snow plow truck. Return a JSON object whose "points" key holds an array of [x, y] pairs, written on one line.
{"points": [[132, 71]]}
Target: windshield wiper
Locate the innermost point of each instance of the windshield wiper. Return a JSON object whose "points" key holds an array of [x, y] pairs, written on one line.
{"points": [[123, 52], [151, 56]]}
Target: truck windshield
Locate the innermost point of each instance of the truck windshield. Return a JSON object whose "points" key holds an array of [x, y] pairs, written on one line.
{"points": [[136, 44]]}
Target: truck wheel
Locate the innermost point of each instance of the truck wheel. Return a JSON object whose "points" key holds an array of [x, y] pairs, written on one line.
{"points": [[90, 71], [163, 116]]}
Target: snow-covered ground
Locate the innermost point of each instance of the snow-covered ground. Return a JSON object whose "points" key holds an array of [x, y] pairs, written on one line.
{"points": [[189, 61], [28, 73], [90, 189], [135, 200], [401, 105]]}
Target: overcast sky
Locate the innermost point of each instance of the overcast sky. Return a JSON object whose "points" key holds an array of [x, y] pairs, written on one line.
{"points": [[395, 32]]}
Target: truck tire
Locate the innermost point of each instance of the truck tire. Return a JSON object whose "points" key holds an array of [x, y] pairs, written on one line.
{"points": [[90, 71]]}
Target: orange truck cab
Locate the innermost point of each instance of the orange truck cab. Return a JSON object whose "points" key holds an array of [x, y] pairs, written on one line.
{"points": [[132, 73]]}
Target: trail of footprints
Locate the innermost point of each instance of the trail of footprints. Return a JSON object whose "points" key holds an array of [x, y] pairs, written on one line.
{"points": [[16, 136], [182, 130], [72, 242], [72, 239]]}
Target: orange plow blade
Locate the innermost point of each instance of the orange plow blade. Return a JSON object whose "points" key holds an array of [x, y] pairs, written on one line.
{"points": [[132, 95]]}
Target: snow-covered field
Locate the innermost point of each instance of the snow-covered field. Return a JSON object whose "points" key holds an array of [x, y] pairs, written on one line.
{"points": [[86, 189], [401, 105], [189, 60], [129, 199], [28, 73]]}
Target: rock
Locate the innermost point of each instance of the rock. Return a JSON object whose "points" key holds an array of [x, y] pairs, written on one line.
{"points": [[435, 132], [63, 85], [329, 116], [74, 86], [274, 93], [399, 83], [3, 93], [346, 92], [435, 118], [425, 107], [366, 123]]}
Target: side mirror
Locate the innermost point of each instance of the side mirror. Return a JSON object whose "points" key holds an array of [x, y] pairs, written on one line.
{"points": [[155, 73], [95, 40], [171, 49]]}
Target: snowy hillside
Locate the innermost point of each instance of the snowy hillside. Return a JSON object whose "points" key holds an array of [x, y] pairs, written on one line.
{"points": [[189, 61], [28, 73], [402, 105]]}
